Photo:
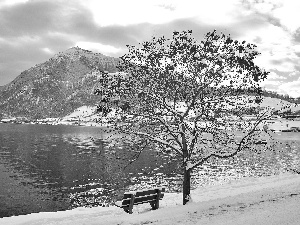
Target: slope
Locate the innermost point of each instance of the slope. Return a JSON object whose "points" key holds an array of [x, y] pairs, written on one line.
{"points": [[56, 87]]}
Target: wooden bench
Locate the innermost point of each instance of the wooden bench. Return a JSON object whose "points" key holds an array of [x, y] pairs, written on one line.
{"points": [[139, 197], [261, 142]]}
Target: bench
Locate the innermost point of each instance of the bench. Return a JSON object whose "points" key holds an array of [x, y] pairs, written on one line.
{"points": [[139, 197], [261, 142]]}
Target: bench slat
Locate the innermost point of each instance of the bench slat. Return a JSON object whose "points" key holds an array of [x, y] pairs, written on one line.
{"points": [[140, 199], [143, 192], [128, 196], [146, 192]]}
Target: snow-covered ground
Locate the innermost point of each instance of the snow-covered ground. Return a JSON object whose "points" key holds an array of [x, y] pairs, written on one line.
{"points": [[265, 200]]}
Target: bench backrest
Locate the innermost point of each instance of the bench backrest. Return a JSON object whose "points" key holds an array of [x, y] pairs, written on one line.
{"points": [[142, 196]]}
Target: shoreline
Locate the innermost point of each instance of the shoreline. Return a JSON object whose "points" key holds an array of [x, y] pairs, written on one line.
{"points": [[88, 124], [278, 125], [229, 203]]}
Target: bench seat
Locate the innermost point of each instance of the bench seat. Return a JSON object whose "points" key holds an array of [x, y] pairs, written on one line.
{"points": [[139, 197]]}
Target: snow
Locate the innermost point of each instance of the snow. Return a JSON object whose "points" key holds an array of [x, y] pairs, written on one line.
{"points": [[247, 201], [82, 111], [282, 124], [189, 165]]}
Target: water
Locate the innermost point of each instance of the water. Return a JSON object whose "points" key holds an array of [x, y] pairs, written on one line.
{"points": [[52, 168]]}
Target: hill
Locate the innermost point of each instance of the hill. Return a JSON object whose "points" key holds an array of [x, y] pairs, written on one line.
{"points": [[56, 87], [279, 104]]}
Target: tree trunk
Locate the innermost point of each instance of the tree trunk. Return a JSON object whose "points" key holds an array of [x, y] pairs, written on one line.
{"points": [[186, 171], [186, 185]]}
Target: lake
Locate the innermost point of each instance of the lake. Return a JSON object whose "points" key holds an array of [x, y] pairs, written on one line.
{"points": [[52, 168]]}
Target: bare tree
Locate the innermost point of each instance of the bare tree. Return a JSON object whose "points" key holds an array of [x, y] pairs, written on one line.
{"points": [[186, 98]]}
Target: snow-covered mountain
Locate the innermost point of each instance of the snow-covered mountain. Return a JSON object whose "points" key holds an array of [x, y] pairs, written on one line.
{"points": [[56, 87]]}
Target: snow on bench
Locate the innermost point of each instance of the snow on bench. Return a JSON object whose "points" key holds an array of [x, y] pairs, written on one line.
{"points": [[139, 197]]}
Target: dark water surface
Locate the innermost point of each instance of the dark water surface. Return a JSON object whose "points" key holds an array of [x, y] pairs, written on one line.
{"points": [[52, 168]]}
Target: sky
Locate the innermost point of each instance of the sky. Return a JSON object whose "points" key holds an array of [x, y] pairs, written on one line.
{"points": [[32, 31]]}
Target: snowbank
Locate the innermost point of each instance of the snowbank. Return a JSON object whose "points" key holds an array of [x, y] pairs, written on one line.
{"points": [[220, 204]]}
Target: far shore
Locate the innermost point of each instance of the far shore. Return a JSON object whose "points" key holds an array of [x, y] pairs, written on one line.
{"points": [[69, 123], [275, 125]]}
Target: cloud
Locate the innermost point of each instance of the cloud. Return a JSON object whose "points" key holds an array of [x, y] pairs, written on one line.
{"points": [[277, 48], [136, 12], [48, 51], [277, 37], [275, 76], [283, 13], [290, 88], [97, 47], [296, 35], [31, 18], [287, 14], [283, 82], [5, 3]]}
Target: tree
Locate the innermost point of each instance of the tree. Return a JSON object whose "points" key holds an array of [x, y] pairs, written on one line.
{"points": [[177, 95]]}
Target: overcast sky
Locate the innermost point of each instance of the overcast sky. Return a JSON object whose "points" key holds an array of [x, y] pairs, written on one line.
{"points": [[32, 31]]}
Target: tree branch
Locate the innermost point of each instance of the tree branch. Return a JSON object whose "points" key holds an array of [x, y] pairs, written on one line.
{"points": [[136, 156], [157, 140], [235, 152]]}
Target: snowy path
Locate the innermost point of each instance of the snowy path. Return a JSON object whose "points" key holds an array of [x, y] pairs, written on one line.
{"points": [[268, 200]]}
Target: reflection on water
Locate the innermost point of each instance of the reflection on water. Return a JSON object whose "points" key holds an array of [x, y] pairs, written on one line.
{"points": [[51, 168], [282, 157]]}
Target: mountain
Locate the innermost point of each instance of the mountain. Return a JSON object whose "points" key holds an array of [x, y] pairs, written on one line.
{"points": [[64, 83], [56, 87]]}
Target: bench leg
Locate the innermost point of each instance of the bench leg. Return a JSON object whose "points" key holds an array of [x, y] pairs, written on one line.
{"points": [[126, 209], [155, 204], [131, 204]]}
